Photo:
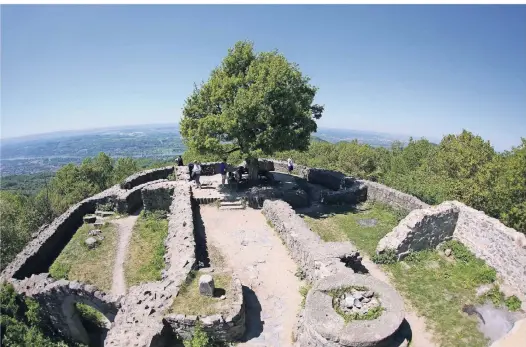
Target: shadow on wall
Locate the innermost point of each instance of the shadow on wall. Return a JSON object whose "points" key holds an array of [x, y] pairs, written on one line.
{"points": [[201, 248]]}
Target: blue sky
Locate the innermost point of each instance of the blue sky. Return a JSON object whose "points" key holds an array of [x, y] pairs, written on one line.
{"points": [[417, 70]]}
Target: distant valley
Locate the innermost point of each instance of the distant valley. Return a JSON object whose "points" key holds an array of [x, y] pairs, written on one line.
{"points": [[48, 152]]}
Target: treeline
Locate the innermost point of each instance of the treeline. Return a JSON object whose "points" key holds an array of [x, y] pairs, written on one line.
{"points": [[461, 167], [22, 215]]}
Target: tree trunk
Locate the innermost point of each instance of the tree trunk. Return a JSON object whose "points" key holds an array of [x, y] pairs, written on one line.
{"points": [[253, 168]]}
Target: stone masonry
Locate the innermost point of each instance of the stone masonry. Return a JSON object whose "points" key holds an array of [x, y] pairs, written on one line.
{"points": [[421, 229], [501, 247], [222, 327], [316, 258]]}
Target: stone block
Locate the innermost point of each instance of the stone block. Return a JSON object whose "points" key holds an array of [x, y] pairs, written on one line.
{"points": [[421, 229], [206, 285]]}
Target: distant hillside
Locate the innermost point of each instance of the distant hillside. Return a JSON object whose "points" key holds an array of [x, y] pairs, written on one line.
{"points": [[48, 152]]}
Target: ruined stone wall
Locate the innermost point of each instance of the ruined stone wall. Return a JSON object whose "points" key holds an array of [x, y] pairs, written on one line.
{"points": [[57, 299], [139, 322], [392, 197], [38, 255], [147, 176], [316, 258], [158, 196], [501, 247], [222, 327], [421, 229]]}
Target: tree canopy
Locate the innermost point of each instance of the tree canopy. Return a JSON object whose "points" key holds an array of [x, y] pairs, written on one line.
{"points": [[252, 102]]}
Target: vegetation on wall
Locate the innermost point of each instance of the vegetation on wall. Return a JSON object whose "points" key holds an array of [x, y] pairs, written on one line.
{"points": [[23, 324]]}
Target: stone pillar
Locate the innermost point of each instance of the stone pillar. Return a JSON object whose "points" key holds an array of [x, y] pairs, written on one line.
{"points": [[206, 285]]}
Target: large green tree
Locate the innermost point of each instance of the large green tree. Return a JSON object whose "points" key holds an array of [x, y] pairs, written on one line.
{"points": [[254, 103]]}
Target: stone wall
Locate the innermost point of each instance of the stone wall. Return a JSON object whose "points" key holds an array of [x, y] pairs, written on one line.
{"points": [[316, 258], [328, 178], [147, 176], [129, 201], [38, 255], [353, 195], [139, 322], [57, 299], [322, 326], [421, 229], [222, 327], [501, 247], [392, 197], [158, 196]]}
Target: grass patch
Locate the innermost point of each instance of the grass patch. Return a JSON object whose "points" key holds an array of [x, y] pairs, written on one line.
{"points": [[94, 266], [91, 315], [436, 287], [303, 292], [343, 227], [145, 259], [373, 313], [190, 302]]}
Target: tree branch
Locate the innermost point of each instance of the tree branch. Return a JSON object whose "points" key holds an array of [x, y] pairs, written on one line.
{"points": [[233, 150]]}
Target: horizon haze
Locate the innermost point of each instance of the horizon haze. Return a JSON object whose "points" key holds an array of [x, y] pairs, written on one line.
{"points": [[425, 70]]}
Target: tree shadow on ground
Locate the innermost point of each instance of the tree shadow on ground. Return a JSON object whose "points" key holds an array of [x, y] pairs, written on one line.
{"points": [[253, 323]]}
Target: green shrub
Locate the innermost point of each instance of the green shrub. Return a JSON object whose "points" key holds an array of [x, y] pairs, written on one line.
{"points": [[387, 257], [199, 338], [22, 322], [513, 303]]}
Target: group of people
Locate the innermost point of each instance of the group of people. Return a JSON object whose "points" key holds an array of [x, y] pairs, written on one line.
{"points": [[195, 169]]}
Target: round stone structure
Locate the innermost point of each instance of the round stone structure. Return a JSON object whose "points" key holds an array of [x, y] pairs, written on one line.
{"points": [[323, 326]]}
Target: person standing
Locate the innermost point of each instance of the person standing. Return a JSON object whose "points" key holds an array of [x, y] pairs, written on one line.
{"points": [[179, 161], [197, 173], [222, 171], [290, 165]]}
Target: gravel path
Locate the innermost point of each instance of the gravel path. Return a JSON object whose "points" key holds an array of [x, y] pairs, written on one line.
{"points": [[262, 262], [124, 228]]}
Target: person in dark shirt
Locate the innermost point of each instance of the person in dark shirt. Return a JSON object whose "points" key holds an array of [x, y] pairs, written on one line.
{"points": [[180, 161], [222, 171]]}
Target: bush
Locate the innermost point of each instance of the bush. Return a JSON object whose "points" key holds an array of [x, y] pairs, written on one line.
{"points": [[387, 257], [22, 323], [199, 339], [513, 303]]}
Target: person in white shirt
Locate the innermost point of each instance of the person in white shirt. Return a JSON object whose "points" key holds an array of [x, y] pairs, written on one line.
{"points": [[290, 165], [196, 171]]}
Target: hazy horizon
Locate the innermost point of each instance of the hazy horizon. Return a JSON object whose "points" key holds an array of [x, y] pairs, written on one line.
{"points": [[425, 70]]}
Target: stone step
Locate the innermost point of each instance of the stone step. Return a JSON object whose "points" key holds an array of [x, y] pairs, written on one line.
{"points": [[231, 203], [104, 213], [232, 207], [206, 200]]}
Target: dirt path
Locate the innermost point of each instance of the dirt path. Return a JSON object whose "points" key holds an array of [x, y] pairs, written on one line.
{"points": [[124, 228], [421, 337], [265, 268]]}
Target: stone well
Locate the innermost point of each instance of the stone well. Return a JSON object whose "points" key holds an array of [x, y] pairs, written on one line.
{"points": [[323, 326]]}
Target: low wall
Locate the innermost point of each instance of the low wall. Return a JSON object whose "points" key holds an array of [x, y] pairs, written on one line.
{"points": [[139, 322], [328, 178], [501, 247], [57, 299], [421, 229], [147, 176], [38, 255], [322, 326], [353, 195], [392, 197], [226, 327], [317, 259], [158, 196]]}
